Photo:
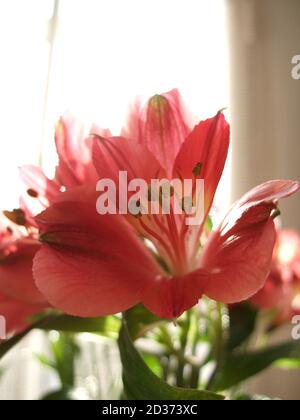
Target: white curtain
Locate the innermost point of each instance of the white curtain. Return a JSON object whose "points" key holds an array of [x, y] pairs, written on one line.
{"points": [[265, 103]]}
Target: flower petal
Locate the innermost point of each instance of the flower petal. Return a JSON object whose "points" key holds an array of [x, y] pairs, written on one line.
{"points": [[16, 279], [39, 190], [170, 297], [239, 254], [92, 265], [161, 126], [115, 154], [203, 155], [234, 275], [274, 294], [16, 314], [271, 191], [75, 151]]}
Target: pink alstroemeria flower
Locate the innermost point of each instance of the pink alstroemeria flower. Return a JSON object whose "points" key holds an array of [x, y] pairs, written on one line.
{"points": [[282, 288], [74, 168], [19, 297], [17, 314], [92, 265]]}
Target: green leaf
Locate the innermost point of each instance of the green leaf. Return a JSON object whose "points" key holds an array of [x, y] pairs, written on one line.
{"points": [[242, 324], [153, 363], [240, 366], [288, 363], [140, 320], [140, 383], [245, 397], [109, 325], [45, 361], [9, 344], [65, 351], [60, 395]]}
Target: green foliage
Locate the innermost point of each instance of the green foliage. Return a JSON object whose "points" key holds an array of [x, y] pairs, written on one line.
{"points": [[288, 364], [145, 375], [242, 365], [60, 395], [245, 397], [65, 351], [108, 326], [140, 321], [140, 383], [242, 324], [6, 346]]}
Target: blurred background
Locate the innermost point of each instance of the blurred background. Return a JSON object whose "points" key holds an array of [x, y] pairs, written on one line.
{"points": [[94, 56]]}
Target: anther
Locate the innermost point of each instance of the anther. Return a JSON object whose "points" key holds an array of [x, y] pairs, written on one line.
{"points": [[16, 216], [197, 169], [32, 193]]}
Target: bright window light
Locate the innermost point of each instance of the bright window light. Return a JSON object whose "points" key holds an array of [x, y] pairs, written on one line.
{"points": [[24, 51], [104, 53]]}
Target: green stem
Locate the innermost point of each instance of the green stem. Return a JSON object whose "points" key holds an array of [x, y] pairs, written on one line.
{"points": [[194, 380], [180, 353], [195, 369], [165, 363], [219, 345], [183, 342]]}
